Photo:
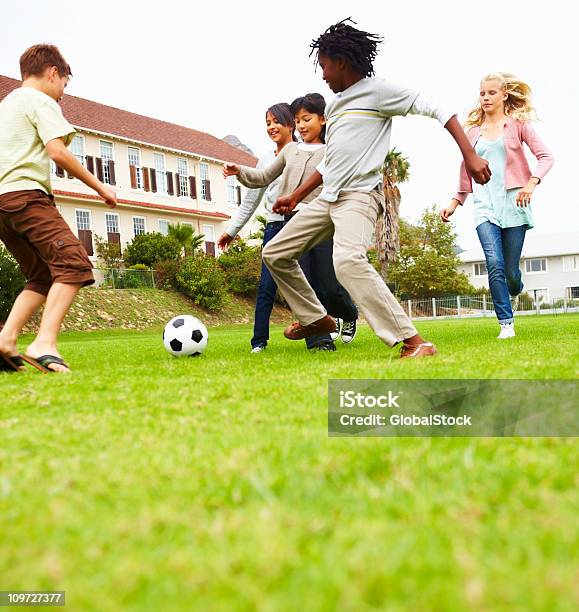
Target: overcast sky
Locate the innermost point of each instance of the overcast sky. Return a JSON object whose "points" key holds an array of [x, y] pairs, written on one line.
{"points": [[216, 67]]}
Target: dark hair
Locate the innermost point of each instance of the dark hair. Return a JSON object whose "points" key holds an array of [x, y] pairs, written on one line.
{"points": [[313, 103], [282, 114], [356, 47], [36, 59]]}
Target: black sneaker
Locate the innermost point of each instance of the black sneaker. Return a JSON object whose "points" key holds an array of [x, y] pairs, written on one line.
{"points": [[334, 335], [325, 346], [349, 329]]}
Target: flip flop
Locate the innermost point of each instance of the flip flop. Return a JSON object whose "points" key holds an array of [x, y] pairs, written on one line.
{"points": [[10, 364], [41, 363]]}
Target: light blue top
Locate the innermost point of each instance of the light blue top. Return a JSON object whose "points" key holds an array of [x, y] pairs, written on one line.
{"points": [[492, 202]]}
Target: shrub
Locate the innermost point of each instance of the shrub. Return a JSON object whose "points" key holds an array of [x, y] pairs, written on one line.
{"points": [[201, 278], [148, 249], [166, 274], [11, 282], [242, 267]]}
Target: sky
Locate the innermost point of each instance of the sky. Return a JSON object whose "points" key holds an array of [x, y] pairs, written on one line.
{"points": [[217, 66]]}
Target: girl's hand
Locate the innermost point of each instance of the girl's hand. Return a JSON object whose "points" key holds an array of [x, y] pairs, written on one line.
{"points": [[447, 212], [230, 170], [524, 195], [224, 241]]}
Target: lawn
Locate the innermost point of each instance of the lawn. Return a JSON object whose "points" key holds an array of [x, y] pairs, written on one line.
{"points": [[144, 482]]}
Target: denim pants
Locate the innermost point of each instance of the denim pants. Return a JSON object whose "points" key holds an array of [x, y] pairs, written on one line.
{"points": [[502, 248], [266, 296]]}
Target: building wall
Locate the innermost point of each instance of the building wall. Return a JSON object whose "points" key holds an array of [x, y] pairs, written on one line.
{"points": [[557, 277], [218, 204]]}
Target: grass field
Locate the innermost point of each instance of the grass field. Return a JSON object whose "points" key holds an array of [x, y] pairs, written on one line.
{"points": [[142, 482]]}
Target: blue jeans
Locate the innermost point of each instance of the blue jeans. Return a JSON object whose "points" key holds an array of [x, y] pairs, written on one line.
{"points": [[502, 248], [266, 296]]}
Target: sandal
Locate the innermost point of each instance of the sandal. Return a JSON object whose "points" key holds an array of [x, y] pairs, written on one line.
{"points": [[41, 363], [11, 364]]}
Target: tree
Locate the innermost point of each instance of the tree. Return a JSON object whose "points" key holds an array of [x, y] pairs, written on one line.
{"points": [[151, 248], [109, 253], [186, 237], [427, 263], [395, 170], [12, 282]]}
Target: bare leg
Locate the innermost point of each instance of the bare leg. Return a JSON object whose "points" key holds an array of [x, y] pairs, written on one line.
{"points": [[25, 305], [58, 301]]}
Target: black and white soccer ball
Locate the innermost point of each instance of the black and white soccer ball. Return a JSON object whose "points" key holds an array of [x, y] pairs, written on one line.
{"points": [[185, 336]]}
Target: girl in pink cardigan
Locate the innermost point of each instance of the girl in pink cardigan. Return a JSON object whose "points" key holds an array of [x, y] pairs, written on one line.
{"points": [[499, 125]]}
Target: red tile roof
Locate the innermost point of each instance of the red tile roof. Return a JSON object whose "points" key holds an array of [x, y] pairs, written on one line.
{"points": [[195, 212], [101, 118]]}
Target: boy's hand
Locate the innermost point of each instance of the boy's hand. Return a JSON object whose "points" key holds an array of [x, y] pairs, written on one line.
{"points": [[284, 205], [224, 241], [447, 212], [478, 168], [108, 195], [230, 170]]}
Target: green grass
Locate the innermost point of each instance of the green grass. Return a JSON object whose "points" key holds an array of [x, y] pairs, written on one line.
{"points": [[143, 482]]}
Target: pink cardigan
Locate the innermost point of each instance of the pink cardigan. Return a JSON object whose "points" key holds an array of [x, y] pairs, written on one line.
{"points": [[517, 172]]}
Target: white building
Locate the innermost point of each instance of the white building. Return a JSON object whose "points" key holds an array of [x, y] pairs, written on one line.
{"points": [[549, 266]]}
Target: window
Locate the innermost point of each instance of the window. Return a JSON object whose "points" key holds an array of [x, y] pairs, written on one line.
{"points": [[160, 173], [535, 266], [137, 173], [573, 293], [77, 148], [571, 263], [209, 232], [112, 221], [480, 269], [183, 172], [230, 182], [83, 220], [205, 187], [164, 227], [106, 156], [138, 226], [540, 296], [52, 168]]}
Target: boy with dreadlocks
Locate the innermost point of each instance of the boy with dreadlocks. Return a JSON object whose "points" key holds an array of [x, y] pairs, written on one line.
{"points": [[359, 121]]}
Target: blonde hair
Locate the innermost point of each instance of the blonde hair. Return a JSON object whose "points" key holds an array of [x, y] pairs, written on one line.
{"points": [[518, 102]]}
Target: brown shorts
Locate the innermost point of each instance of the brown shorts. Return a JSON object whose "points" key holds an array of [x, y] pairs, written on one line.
{"points": [[41, 241]]}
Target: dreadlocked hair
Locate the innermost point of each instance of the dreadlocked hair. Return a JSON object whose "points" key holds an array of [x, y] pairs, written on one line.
{"points": [[357, 47]]}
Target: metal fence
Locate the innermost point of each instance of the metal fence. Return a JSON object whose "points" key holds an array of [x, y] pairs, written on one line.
{"points": [[460, 306], [124, 279]]}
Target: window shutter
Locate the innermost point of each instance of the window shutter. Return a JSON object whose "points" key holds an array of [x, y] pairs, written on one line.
{"points": [[177, 185], [99, 168], [69, 175], [210, 248], [153, 178], [207, 183], [169, 183], [238, 192], [85, 236], [59, 171], [90, 163], [114, 238], [112, 176], [146, 183], [133, 174], [193, 187]]}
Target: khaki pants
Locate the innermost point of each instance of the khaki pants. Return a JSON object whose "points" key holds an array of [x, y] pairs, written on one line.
{"points": [[351, 221]]}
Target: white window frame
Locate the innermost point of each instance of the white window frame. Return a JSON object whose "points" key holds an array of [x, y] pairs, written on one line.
{"points": [[105, 159], [159, 225], [183, 164], [204, 176], [83, 210], [135, 234], [108, 215], [138, 167], [231, 186], [568, 292], [474, 269], [531, 292], [53, 169], [81, 156], [211, 231], [528, 261], [160, 172], [571, 263]]}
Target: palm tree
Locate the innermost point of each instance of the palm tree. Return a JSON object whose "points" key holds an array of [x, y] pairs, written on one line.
{"points": [[186, 237], [395, 170]]}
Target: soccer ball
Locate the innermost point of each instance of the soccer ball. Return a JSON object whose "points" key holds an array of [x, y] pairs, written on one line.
{"points": [[185, 336]]}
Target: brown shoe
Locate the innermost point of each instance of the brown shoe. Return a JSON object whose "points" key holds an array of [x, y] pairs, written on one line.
{"points": [[297, 331], [426, 349]]}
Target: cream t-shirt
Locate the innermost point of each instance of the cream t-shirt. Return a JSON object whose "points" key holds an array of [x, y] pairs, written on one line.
{"points": [[29, 119]]}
